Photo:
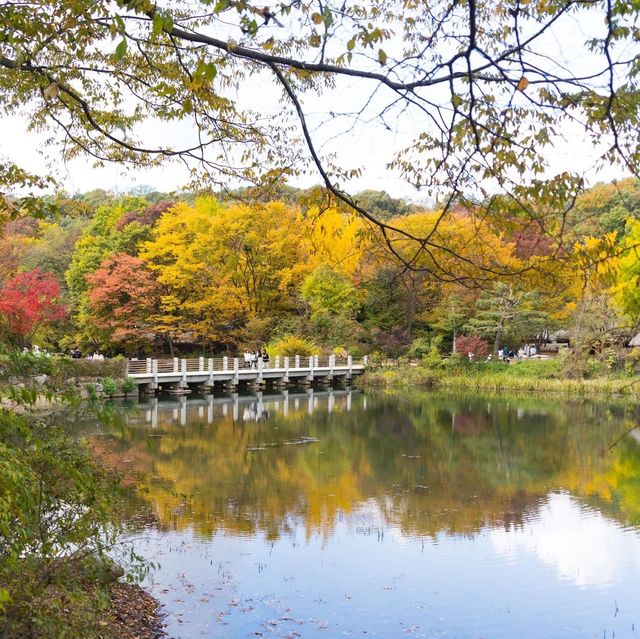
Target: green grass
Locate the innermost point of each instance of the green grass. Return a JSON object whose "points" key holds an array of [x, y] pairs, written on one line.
{"points": [[533, 375]]}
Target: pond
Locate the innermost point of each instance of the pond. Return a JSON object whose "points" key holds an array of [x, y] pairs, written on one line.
{"points": [[335, 513]]}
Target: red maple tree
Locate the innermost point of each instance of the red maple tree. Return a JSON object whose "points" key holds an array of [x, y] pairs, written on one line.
{"points": [[123, 297], [29, 301], [466, 344]]}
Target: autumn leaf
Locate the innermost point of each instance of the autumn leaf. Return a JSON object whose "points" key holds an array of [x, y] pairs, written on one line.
{"points": [[51, 91], [523, 83]]}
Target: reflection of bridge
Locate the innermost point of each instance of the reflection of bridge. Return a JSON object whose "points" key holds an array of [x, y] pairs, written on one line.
{"points": [[177, 375], [255, 407]]}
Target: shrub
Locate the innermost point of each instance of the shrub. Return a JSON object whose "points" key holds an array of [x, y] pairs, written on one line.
{"points": [[466, 344], [56, 528], [420, 347], [433, 359], [356, 351], [291, 345], [109, 386], [67, 368], [92, 393], [128, 385], [19, 364], [614, 358], [393, 342], [632, 361]]}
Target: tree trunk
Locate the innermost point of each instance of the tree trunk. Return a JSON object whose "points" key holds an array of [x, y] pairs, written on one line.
{"points": [[170, 342]]}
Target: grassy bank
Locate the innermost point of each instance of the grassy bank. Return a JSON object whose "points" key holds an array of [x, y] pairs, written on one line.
{"points": [[553, 376]]}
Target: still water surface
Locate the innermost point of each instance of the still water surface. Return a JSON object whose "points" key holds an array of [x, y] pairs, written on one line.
{"points": [[330, 514]]}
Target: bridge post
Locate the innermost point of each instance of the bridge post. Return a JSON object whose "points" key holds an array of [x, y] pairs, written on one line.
{"points": [[285, 379], [183, 371], [225, 363], [365, 360], [277, 361], [296, 361], [312, 361], [149, 365], [332, 363], [154, 371], [209, 382], [200, 364], [236, 368], [176, 365], [350, 365], [316, 361]]}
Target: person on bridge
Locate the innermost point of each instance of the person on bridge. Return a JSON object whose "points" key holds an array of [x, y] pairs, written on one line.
{"points": [[265, 357]]}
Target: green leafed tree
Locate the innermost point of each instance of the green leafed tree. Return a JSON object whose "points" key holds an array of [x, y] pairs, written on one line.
{"points": [[329, 292], [506, 311]]}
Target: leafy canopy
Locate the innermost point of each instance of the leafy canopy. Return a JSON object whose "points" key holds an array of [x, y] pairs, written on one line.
{"points": [[484, 87]]}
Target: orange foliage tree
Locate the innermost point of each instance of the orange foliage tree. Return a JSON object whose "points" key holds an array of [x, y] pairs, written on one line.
{"points": [[123, 297]]}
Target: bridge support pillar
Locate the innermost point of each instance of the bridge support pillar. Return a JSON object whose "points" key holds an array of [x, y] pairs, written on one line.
{"points": [[176, 388], [147, 389], [312, 364], [232, 383], [183, 374]]}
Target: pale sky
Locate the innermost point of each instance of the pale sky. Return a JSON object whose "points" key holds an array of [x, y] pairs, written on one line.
{"points": [[368, 147]]}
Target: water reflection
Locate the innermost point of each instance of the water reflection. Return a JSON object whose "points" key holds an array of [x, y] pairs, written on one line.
{"points": [[430, 463], [247, 408], [418, 514], [579, 544]]}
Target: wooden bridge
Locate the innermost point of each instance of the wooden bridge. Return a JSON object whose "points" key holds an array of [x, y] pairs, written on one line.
{"points": [[180, 375]]}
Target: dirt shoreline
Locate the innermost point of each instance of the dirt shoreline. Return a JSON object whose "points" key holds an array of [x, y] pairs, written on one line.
{"points": [[134, 613]]}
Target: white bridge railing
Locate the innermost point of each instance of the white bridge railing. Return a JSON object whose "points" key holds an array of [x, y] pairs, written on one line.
{"points": [[213, 369]]}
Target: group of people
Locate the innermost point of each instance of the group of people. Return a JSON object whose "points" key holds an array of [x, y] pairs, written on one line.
{"points": [[528, 350], [505, 353], [96, 356], [251, 358]]}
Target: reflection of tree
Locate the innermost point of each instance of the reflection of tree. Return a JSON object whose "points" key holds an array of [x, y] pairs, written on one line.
{"points": [[430, 463], [617, 489]]}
